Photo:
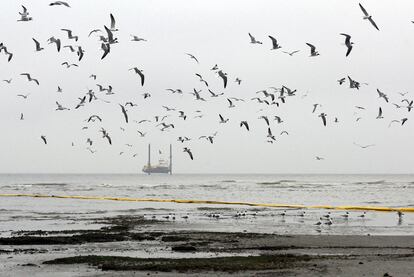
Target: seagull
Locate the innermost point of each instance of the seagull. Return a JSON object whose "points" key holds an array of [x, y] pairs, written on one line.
{"points": [[106, 48], [291, 53], [23, 95], [59, 3], [189, 152], [60, 107], [363, 146], [224, 77], [341, 81], [319, 158], [367, 16], [314, 53], [24, 15], [106, 135], [269, 134], [94, 31], [110, 34], [403, 121], [38, 48], [348, 43], [141, 134], [278, 119], [379, 116], [284, 132], [382, 95], [275, 46], [56, 41], [201, 79], [21, 116], [30, 78], [222, 120], [323, 116], [231, 105], [43, 138], [315, 106], [80, 53], [93, 76], [245, 124], [70, 36], [139, 72], [69, 65], [124, 112], [8, 81], [253, 40], [265, 119], [113, 28], [215, 94], [94, 117], [135, 38], [192, 57]]}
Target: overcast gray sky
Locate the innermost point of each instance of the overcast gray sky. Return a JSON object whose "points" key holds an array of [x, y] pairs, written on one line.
{"points": [[216, 32]]}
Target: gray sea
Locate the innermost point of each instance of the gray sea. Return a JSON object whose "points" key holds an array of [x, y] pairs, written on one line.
{"points": [[23, 213]]}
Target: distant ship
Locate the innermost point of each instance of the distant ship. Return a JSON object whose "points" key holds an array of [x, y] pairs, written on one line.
{"points": [[162, 167]]}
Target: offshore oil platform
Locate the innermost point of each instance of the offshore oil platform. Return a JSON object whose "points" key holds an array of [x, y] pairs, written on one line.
{"points": [[162, 167]]}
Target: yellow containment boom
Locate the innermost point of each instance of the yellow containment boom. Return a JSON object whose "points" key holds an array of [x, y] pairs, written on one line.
{"points": [[192, 201]]}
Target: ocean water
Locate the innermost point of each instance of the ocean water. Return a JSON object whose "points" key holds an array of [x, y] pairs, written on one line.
{"points": [[18, 213]]}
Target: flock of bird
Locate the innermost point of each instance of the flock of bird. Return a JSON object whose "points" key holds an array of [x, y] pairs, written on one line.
{"points": [[267, 97]]}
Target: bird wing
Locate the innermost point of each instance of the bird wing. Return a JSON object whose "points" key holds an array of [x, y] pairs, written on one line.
{"points": [[142, 77], [252, 39], [274, 41], [373, 23], [37, 44], [112, 21], [110, 35], [363, 9], [349, 50], [311, 47]]}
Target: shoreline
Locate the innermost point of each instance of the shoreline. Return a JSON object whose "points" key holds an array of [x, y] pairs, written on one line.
{"points": [[128, 245]]}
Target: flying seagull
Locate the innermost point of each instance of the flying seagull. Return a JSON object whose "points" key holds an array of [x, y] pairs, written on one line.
{"points": [[245, 124], [275, 45], [189, 152], [291, 53], [136, 38], [253, 40], [30, 78], [379, 116], [224, 77], [323, 116], [369, 17], [70, 35], [56, 41], [38, 48], [192, 57], [24, 16], [59, 3], [382, 95], [106, 48], [113, 28], [139, 72], [314, 53], [363, 146], [348, 43], [124, 112], [43, 138], [222, 120]]}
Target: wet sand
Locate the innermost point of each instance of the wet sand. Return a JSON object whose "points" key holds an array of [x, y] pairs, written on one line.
{"points": [[128, 245]]}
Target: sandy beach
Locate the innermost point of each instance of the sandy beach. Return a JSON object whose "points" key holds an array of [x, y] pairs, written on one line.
{"points": [[127, 245]]}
